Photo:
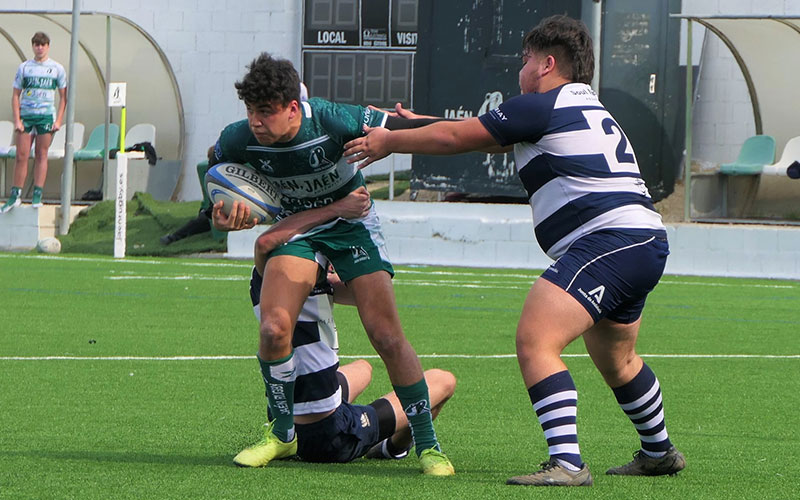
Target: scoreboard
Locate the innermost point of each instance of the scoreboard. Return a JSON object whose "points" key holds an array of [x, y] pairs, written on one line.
{"points": [[360, 51]]}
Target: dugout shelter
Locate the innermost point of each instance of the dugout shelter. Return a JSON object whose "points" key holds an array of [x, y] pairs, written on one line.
{"points": [[767, 51], [111, 49]]}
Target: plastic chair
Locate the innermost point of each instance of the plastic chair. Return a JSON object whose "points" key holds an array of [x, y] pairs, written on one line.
{"points": [[6, 138], [94, 146], [756, 152], [59, 145], [788, 164], [141, 132]]}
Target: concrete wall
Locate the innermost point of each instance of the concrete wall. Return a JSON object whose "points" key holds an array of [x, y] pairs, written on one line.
{"points": [[483, 235], [23, 227]]}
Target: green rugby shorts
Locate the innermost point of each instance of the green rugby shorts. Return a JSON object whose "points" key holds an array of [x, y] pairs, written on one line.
{"points": [[355, 248], [42, 124]]}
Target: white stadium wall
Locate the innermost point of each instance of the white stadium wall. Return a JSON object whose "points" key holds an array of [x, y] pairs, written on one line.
{"points": [[501, 236], [209, 42]]}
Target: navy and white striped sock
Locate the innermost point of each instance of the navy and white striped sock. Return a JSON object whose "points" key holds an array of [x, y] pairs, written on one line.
{"points": [[640, 399], [555, 401]]}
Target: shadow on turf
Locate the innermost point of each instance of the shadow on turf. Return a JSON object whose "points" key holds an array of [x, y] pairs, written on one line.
{"points": [[360, 468], [123, 457]]}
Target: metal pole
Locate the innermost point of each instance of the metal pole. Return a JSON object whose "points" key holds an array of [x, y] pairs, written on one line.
{"points": [[687, 165], [391, 179], [105, 172], [597, 31], [69, 149]]}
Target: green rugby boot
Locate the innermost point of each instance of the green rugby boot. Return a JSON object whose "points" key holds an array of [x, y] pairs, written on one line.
{"points": [[268, 449], [435, 463], [13, 201], [36, 201]]}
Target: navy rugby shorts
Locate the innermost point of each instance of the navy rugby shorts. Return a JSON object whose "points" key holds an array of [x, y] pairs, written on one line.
{"points": [[611, 272], [344, 435]]}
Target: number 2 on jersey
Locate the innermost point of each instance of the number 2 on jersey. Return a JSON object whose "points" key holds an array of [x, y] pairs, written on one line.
{"points": [[622, 155], [612, 142]]}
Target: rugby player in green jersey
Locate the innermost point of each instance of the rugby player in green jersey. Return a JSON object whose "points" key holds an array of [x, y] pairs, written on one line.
{"points": [[298, 146], [36, 84]]}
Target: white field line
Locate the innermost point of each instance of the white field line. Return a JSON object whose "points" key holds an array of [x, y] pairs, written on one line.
{"points": [[454, 283], [129, 261], [234, 264], [188, 277], [374, 356]]}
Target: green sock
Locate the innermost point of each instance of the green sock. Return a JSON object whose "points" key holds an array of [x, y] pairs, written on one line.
{"points": [[279, 376], [416, 404]]}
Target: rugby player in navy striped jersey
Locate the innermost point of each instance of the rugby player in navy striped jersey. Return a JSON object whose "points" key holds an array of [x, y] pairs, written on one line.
{"points": [[593, 215]]}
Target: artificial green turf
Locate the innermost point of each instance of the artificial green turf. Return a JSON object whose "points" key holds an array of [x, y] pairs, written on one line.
{"points": [[92, 232], [105, 428], [400, 187]]}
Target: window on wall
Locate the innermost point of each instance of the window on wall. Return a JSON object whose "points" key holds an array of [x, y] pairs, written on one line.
{"points": [[360, 51]]}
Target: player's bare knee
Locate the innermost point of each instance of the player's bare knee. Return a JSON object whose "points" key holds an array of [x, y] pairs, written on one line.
{"points": [[274, 332], [364, 365], [387, 343], [444, 379]]}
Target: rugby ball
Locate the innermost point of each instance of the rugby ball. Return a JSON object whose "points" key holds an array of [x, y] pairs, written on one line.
{"points": [[231, 182], [48, 245]]}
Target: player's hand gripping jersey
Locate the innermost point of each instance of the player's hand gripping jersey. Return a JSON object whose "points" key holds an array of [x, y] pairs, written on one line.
{"points": [[576, 165], [309, 170]]}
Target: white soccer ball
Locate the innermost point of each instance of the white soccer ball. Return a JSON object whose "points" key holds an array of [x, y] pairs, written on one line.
{"points": [[49, 245], [232, 181]]}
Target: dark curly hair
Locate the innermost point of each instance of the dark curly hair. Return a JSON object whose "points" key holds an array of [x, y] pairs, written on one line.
{"points": [[568, 41], [269, 81]]}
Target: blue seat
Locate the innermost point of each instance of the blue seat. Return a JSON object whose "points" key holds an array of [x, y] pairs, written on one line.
{"points": [[94, 149], [756, 152]]}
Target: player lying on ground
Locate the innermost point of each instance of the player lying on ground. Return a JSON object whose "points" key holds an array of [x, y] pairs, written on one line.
{"points": [[329, 427], [593, 215], [298, 146]]}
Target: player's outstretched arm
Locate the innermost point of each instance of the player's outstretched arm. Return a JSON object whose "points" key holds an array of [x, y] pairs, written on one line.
{"points": [[440, 138], [354, 205], [400, 111]]}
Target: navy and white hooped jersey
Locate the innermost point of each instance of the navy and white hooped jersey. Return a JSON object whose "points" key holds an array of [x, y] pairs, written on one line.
{"points": [[575, 163], [316, 346]]}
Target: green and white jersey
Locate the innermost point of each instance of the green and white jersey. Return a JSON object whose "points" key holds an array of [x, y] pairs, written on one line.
{"points": [[309, 170], [39, 82]]}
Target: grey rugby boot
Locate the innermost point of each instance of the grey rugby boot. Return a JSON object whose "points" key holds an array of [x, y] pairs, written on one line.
{"points": [[644, 465], [554, 474]]}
